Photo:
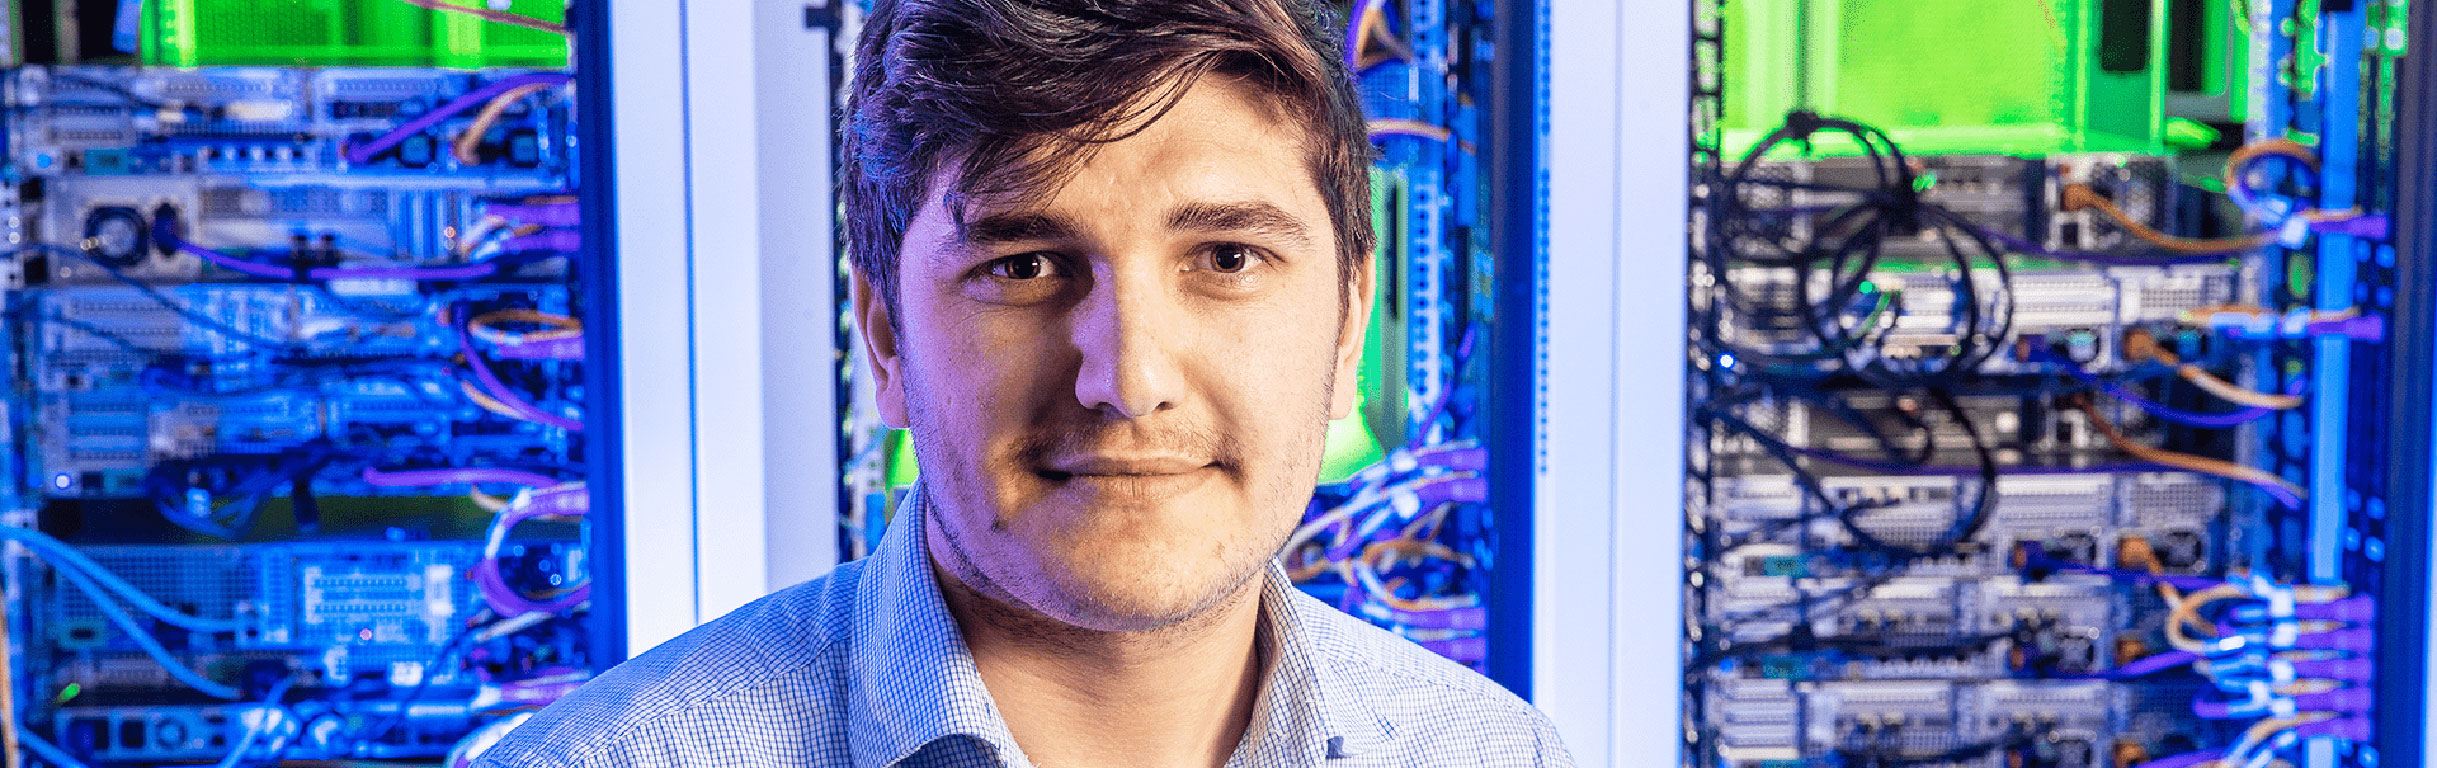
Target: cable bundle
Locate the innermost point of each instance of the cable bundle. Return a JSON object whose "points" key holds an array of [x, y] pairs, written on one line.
{"points": [[1380, 534]]}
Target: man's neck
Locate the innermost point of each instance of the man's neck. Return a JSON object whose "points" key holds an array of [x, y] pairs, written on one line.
{"points": [[1180, 696]]}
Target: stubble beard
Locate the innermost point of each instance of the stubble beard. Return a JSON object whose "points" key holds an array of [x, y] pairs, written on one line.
{"points": [[1070, 613]]}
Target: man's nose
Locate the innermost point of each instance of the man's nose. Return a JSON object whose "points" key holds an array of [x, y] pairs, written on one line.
{"points": [[1126, 329]]}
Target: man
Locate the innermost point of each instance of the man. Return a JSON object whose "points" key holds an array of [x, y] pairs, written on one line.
{"points": [[1111, 262]]}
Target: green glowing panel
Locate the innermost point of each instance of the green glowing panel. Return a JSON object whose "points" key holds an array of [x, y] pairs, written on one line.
{"points": [[188, 33], [2021, 77], [1378, 421], [901, 470], [465, 41]]}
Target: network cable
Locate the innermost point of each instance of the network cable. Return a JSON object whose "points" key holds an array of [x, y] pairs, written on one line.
{"points": [[365, 152], [488, 387]]}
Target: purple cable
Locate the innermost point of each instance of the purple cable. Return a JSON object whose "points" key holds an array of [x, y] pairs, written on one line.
{"points": [[556, 348], [430, 477], [2223, 710], [510, 604], [2351, 670], [2351, 610], [365, 152], [2367, 227], [494, 586], [1468, 489], [1427, 494], [546, 240], [2148, 665], [490, 385], [1464, 458], [549, 215], [2346, 728], [2355, 640], [2363, 328], [2345, 700], [2178, 582]]}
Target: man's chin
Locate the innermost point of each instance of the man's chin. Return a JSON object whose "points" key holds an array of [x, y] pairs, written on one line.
{"points": [[1138, 601]]}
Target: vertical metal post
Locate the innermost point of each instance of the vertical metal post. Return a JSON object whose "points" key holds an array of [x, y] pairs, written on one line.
{"points": [[2407, 672]]}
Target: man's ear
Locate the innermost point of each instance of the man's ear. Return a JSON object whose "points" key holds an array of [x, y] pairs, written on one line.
{"points": [[880, 349], [1357, 322]]}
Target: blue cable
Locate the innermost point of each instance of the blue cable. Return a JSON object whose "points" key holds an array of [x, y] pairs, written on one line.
{"points": [[274, 717], [65, 558], [151, 645]]}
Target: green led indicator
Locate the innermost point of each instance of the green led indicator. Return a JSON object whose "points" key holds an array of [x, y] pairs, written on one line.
{"points": [[67, 693]]}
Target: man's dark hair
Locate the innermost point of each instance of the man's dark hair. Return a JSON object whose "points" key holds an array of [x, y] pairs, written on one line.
{"points": [[1019, 91]]}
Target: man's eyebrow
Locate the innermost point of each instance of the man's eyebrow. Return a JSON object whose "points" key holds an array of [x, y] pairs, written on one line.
{"points": [[1262, 218], [1014, 227]]}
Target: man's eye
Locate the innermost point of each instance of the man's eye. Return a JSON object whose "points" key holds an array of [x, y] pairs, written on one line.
{"points": [[1024, 267], [1230, 258]]}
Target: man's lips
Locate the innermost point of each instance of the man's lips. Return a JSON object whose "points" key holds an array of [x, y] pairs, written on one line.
{"points": [[1109, 466]]}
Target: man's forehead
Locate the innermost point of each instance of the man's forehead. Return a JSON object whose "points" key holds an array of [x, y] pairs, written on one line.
{"points": [[1221, 137], [1209, 196]]}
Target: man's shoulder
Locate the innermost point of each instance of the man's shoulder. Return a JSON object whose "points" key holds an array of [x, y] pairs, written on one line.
{"points": [[1434, 706], [783, 651]]}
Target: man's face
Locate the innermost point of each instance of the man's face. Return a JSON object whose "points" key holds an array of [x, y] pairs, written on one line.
{"points": [[1119, 392]]}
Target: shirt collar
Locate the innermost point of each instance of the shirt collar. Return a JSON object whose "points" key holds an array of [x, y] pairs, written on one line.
{"points": [[912, 680], [1309, 711]]}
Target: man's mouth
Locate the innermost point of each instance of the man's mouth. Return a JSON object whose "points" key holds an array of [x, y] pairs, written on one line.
{"points": [[1121, 467]]}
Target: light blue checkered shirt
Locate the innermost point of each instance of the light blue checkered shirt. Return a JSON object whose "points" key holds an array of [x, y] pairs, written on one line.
{"points": [[865, 667]]}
